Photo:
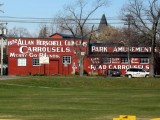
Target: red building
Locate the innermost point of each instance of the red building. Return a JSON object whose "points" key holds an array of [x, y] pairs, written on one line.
{"points": [[107, 57], [57, 55]]}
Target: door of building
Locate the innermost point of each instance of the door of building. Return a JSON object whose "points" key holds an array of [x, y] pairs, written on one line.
{"points": [[53, 67]]}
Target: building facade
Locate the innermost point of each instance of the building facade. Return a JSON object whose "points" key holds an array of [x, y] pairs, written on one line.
{"points": [[51, 56], [58, 55], [105, 57]]}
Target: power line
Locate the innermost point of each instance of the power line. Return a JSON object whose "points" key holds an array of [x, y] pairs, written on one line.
{"points": [[38, 18], [32, 20], [35, 20], [12, 17], [17, 21]]}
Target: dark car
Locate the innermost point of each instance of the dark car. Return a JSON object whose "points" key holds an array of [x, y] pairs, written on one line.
{"points": [[114, 72]]}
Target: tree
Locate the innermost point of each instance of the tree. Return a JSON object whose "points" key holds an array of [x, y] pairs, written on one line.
{"points": [[75, 19], [54, 26], [0, 6], [44, 32], [146, 20], [19, 32], [108, 35]]}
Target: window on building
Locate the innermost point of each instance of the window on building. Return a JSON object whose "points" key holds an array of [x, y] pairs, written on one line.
{"points": [[35, 62], [66, 59], [124, 60], [21, 62], [144, 60], [106, 60]]}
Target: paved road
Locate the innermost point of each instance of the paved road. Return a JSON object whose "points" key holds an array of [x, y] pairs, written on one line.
{"points": [[9, 77]]}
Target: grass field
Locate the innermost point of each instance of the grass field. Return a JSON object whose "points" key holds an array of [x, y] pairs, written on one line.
{"points": [[77, 98]]}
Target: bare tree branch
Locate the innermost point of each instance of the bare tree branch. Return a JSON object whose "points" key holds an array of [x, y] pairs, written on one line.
{"points": [[75, 18], [146, 21]]}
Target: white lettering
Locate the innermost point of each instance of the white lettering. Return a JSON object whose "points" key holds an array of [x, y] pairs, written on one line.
{"points": [[68, 49], [17, 55], [99, 49], [110, 66], [69, 43], [48, 43], [121, 67], [32, 55], [93, 67], [100, 67], [121, 49], [25, 49], [147, 67], [20, 42], [104, 67]]}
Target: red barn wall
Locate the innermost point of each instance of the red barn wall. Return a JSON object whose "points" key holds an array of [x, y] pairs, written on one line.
{"points": [[57, 47], [30, 48]]}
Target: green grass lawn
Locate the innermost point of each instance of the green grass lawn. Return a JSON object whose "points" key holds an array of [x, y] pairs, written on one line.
{"points": [[77, 98]]}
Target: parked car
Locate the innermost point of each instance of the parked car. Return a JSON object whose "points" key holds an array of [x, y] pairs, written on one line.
{"points": [[137, 72], [114, 72]]}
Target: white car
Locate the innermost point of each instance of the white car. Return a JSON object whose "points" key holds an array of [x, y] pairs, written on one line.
{"points": [[136, 72]]}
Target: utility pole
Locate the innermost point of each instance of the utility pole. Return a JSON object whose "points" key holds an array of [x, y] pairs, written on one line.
{"points": [[3, 32], [1, 56], [129, 21]]}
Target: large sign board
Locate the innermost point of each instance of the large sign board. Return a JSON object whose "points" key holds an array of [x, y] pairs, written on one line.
{"points": [[34, 47], [105, 49]]}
